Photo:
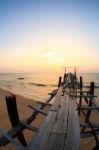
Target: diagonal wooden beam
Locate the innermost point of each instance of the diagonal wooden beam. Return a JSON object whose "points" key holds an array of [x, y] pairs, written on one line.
{"points": [[38, 110]]}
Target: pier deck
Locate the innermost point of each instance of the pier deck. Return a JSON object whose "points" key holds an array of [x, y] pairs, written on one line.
{"points": [[61, 128]]}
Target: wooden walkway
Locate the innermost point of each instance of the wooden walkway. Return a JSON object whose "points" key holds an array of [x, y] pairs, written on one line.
{"points": [[61, 129]]}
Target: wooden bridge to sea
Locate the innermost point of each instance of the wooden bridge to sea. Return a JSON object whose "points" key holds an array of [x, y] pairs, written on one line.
{"points": [[62, 129]]}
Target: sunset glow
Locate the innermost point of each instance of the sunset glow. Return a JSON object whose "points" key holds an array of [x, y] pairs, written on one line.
{"points": [[46, 35]]}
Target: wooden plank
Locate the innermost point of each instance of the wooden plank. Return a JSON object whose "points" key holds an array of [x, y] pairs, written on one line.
{"points": [[89, 108], [55, 107], [53, 92], [38, 110], [57, 136], [89, 134], [86, 92], [29, 127], [61, 122], [46, 139], [43, 140], [73, 131], [83, 96], [85, 124], [54, 111], [44, 103], [55, 132], [57, 101], [64, 107]]}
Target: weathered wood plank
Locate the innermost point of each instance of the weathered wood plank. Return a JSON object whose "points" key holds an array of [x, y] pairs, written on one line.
{"points": [[46, 139], [48, 104], [54, 110], [61, 122], [43, 140], [57, 101], [73, 131], [61, 126], [84, 92], [38, 110], [89, 108], [89, 133], [83, 96], [85, 124]]}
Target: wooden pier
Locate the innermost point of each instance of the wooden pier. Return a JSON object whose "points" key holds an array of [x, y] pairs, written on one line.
{"points": [[62, 129]]}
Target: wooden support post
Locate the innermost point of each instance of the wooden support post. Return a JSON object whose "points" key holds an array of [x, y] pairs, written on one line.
{"points": [[90, 103], [64, 79], [14, 117], [90, 100], [80, 102], [59, 82], [75, 73]]}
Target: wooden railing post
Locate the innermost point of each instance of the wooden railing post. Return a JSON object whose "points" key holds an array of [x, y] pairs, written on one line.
{"points": [[64, 79], [14, 117], [91, 92], [80, 102], [90, 100], [60, 81]]}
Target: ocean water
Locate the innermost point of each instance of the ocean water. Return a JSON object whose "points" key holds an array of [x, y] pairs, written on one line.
{"points": [[35, 87], [38, 86]]}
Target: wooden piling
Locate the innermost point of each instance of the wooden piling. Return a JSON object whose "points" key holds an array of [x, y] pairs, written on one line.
{"points": [[91, 92], [90, 100], [64, 78], [14, 117], [80, 102], [60, 81]]}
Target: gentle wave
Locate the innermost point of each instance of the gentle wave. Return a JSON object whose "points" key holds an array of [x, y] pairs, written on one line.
{"points": [[41, 84], [37, 84], [53, 85]]}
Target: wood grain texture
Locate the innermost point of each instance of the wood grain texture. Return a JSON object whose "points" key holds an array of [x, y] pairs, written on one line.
{"points": [[73, 130], [60, 128]]}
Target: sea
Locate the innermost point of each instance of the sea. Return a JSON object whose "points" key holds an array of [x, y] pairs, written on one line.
{"points": [[38, 86]]}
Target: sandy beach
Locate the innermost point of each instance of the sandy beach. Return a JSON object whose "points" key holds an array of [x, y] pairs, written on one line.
{"points": [[25, 111]]}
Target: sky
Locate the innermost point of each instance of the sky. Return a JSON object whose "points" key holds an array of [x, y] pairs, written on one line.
{"points": [[46, 35]]}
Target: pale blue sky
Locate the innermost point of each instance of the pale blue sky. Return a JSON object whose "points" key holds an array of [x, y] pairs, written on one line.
{"points": [[52, 32]]}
